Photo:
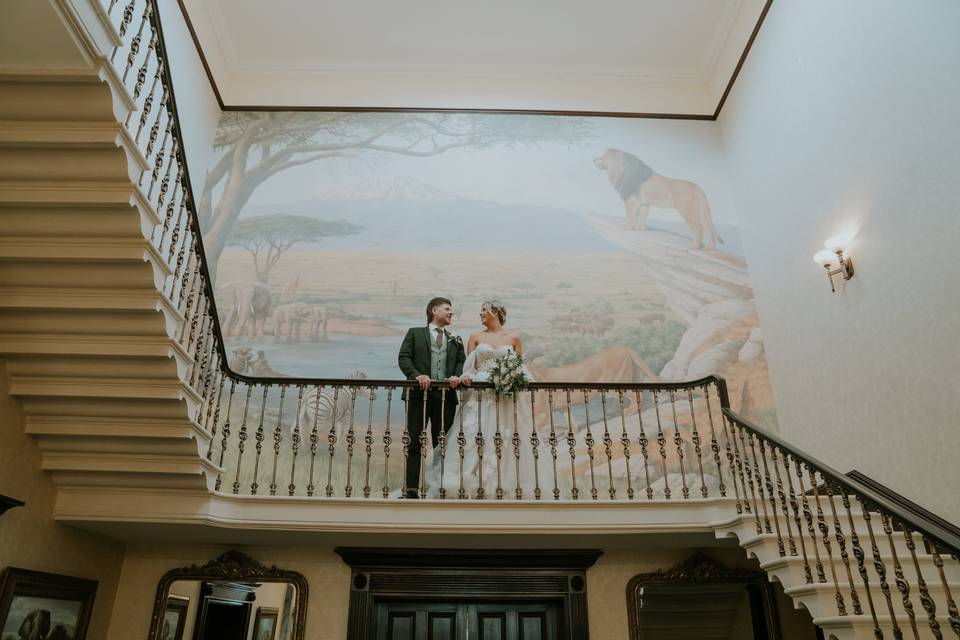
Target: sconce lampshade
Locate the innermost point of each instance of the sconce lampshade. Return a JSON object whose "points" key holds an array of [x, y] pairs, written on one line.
{"points": [[824, 257], [836, 243]]}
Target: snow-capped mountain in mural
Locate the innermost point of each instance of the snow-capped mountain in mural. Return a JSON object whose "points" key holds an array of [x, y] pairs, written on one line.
{"points": [[403, 212]]}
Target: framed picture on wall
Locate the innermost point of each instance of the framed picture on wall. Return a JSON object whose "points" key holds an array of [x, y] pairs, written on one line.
{"points": [[174, 618], [265, 624], [44, 605]]}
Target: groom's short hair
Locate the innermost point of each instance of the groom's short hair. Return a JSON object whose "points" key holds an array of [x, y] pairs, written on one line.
{"points": [[435, 302]]}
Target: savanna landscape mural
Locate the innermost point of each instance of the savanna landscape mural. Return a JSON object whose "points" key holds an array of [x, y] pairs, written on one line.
{"points": [[613, 243]]}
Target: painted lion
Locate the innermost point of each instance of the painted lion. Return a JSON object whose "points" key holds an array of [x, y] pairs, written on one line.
{"points": [[641, 187]]}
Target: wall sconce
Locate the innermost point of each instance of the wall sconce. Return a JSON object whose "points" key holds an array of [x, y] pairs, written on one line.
{"points": [[832, 256]]}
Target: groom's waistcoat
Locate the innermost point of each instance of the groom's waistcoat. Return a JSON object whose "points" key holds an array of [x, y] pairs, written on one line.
{"points": [[438, 360]]}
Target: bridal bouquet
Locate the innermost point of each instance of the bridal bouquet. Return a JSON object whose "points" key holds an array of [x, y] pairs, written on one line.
{"points": [[507, 374]]}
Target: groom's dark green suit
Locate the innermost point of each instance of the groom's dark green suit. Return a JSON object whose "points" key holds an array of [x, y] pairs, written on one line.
{"points": [[414, 360]]}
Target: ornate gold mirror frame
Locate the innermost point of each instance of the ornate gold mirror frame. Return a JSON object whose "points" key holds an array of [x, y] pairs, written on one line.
{"points": [[234, 567], [701, 569]]}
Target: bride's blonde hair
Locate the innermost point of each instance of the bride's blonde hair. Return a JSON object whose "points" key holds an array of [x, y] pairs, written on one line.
{"points": [[496, 308]]}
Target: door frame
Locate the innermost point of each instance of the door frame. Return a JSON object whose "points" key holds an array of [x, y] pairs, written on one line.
{"points": [[379, 573]]}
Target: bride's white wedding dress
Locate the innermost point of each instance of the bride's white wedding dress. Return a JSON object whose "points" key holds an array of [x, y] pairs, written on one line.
{"points": [[481, 417]]}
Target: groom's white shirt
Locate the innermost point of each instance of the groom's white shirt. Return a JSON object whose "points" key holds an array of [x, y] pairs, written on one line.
{"points": [[434, 330]]}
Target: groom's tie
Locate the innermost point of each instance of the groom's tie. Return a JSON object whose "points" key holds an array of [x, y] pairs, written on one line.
{"points": [[439, 337]]}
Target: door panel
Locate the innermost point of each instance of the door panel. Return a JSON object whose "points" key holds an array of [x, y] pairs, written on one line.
{"points": [[468, 621]]}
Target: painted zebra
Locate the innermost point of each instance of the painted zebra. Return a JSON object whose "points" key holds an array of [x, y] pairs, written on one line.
{"points": [[330, 414]]}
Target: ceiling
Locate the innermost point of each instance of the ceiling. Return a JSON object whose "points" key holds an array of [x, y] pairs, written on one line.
{"points": [[673, 57]]}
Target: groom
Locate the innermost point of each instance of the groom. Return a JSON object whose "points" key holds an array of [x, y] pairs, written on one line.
{"points": [[427, 354]]}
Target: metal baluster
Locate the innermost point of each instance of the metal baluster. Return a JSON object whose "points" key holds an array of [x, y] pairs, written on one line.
{"points": [[201, 346], [553, 445], [387, 440], [899, 578], [368, 443], [842, 546], [225, 433], [749, 474], [180, 254], [515, 440], [925, 600], [277, 439], [423, 446], [571, 446], [145, 115], [214, 408], [643, 442], [678, 443], [498, 443], [295, 442], [589, 442], [625, 444], [782, 497], [768, 483], [808, 517], [952, 612], [478, 439], [795, 506], [442, 442], [695, 438], [124, 24], [607, 446], [351, 440], [760, 492], [135, 43], [315, 437], [825, 536], [535, 446], [461, 446], [861, 567], [661, 444], [881, 570], [142, 72], [112, 5], [242, 436], [258, 447], [167, 220], [743, 470], [741, 504], [160, 157], [714, 443], [405, 438], [165, 181]]}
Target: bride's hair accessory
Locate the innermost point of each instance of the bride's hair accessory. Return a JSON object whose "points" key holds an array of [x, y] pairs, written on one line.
{"points": [[496, 308], [508, 375]]}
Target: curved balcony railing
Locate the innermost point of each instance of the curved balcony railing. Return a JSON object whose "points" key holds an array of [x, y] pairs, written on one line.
{"points": [[343, 438]]}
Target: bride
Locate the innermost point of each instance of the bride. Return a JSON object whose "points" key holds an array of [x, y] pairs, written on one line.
{"points": [[468, 463]]}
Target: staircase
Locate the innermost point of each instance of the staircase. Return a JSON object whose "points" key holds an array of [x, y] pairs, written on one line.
{"points": [[91, 320], [107, 334]]}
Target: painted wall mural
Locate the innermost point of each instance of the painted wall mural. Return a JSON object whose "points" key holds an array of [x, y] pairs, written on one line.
{"points": [[613, 243]]}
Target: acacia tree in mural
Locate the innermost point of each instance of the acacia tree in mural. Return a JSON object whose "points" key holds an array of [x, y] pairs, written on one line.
{"points": [[268, 237], [257, 146]]}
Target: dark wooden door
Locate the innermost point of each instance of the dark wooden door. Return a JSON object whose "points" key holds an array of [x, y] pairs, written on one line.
{"points": [[467, 621]]}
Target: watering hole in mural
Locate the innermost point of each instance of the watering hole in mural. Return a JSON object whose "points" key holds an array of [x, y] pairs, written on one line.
{"points": [[613, 243]]}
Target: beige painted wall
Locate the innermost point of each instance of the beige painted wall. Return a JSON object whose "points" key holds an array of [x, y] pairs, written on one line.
{"points": [[841, 119], [328, 579], [30, 538], [329, 583]]}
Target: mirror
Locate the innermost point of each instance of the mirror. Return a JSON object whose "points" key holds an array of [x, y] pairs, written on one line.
{"points": [[230, 598], [701, 598]]}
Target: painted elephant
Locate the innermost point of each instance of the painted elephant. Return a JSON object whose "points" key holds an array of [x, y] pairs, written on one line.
{"points": [[247, 305], [314, 325], [35, 625], [287, 319]]}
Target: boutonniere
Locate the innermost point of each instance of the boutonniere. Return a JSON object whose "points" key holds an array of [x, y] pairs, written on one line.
{"points": [[454, 338]]}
